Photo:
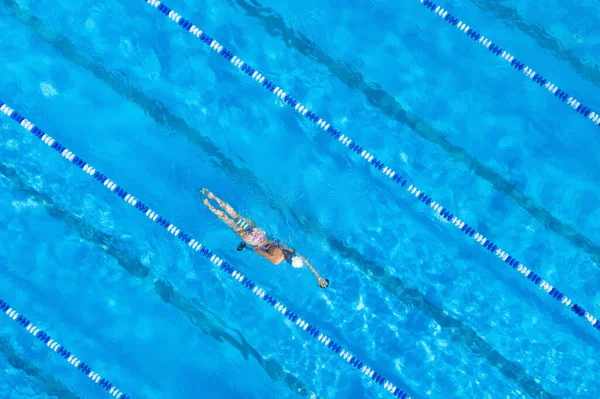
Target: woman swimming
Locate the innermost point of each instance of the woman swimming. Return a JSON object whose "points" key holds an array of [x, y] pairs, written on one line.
{"points": [[255, 237]]}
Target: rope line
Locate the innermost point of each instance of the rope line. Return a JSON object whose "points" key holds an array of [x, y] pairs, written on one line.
{"points": [[367, 156], [520, 66], [279, 306], [55, 347]]}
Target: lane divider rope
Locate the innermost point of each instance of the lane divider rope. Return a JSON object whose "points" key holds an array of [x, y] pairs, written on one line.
{"points": [[280, 307], [520, 66], [367, 156], [55, 347]]}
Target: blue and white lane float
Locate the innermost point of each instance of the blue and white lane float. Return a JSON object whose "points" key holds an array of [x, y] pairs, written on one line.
{"points": [[280, 307], [520, 66], [367, 156], [60, 350]]}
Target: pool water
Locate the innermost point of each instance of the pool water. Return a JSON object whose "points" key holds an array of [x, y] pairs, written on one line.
{"points": [[150, 107]]}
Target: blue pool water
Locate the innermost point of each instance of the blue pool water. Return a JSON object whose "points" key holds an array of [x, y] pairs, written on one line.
{"points": [[150, 107]]}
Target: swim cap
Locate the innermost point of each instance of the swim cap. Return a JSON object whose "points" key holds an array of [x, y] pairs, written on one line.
{"points": [[297, 262]]}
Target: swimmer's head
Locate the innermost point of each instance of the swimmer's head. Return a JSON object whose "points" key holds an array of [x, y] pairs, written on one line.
{"points": [[297, 262]]}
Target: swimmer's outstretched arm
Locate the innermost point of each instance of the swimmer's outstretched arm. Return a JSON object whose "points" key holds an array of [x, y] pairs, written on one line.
{"points": [[323, 283]]}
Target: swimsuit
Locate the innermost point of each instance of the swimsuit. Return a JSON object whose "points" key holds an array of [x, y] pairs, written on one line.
{"points": [[272, 245], [258, 238], [255, 237]]}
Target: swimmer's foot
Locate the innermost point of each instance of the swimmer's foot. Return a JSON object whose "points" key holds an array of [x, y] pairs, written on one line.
{"points": [[207, 192], [206, 203], [241, 246]]}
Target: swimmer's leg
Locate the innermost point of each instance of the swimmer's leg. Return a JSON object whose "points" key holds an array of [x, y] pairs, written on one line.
{"points": [[243, 234], [221, 215], [228, 208]]}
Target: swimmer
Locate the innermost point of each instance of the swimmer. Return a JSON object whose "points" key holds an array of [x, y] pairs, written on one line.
{"points": [[253, 236]]}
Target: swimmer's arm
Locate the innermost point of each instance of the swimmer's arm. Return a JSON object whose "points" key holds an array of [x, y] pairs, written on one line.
{"points": [[265, 254], [323, 283]]}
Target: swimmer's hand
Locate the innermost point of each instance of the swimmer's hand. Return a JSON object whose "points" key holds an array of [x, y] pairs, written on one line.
{"points": [[323, 282]]}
